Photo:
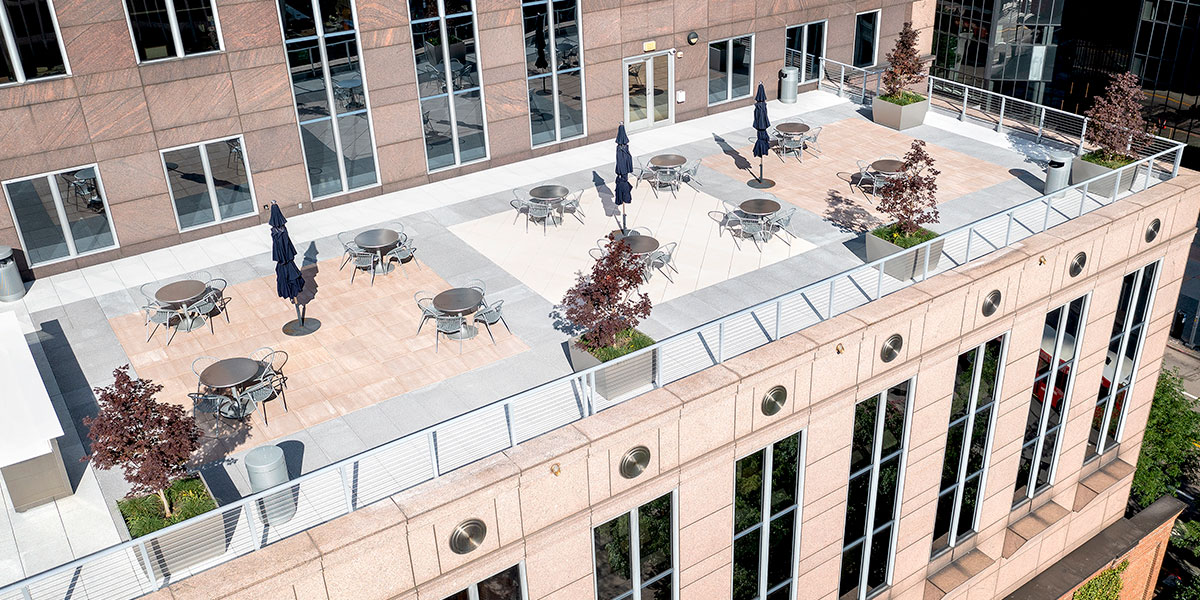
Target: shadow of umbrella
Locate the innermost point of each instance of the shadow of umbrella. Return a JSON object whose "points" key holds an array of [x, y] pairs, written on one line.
{"points": [[309, 270], [606, 195], [739, 161]]}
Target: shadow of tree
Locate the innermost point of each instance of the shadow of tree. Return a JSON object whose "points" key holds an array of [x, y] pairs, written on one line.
{"points": [[739, 161], [847, 215]]}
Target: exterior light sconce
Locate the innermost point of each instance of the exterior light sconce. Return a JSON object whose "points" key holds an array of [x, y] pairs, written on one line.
{"points": [[555, 469], [774, 400], [468, 536], [692, 38], [839, 349], [634, 462], [891, 348]]}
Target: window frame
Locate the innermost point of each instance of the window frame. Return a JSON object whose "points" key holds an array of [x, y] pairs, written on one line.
{"points": [[320, 36], [764, 523], [10, 46], [968, 431], [61, 212], [473, 588], [804, 48], [449, 77], [1108, 400], [873, 490], [875, 45], [728, 70], [1031, 490], [635, 572], [212, 196], [553, 76], [176, 38]]}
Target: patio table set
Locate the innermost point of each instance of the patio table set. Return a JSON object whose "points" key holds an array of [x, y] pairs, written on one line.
{"points": [[547, 204], [759, 219], [235, 387], [376, 249], [877, 172], [450, 309], [653, 255], [793, 137], [184, 305], [667, 171]]}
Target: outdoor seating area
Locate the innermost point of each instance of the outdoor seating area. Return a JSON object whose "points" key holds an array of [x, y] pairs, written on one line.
{"points": [[546, 205], [450, 310], [381, 249], [183, 305], [233, 388]]}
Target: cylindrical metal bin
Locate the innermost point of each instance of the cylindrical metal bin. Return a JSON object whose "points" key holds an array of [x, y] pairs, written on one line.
{"points": [[267, 468], [12, 287], [1058, 170], [789, 82]]}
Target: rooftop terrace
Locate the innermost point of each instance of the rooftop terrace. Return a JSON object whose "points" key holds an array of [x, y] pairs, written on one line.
{"points": [[367, 378]]}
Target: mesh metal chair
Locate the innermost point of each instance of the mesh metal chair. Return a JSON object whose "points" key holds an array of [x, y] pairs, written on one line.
{"points": [[210, 404], [349, 248], [642, 172], [364, 261], [866, 178], [201, 309], [539, 211], [596, 253], [791, 145], [668, 178], [570, 204], [162, 316], [260, 393], [689, 173], [447, 325], [425, 303], [199, 364], [810, 140], [751, 228], [147, 292], [780, 221], [520, 203], [489, 316], [398, 227], [403, 252], [478, 284], [216, 289], [663, 258]]}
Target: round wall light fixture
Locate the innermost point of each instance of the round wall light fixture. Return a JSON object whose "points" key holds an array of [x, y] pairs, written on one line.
{"points": [[1152, 230], [1077, 264], [891, 347], [991, 302], [692, 38]]}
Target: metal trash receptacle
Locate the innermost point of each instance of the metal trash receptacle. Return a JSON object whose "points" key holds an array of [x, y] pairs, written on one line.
{"points": [[267, 468], [789, 82], [1058, 170], [12, 287]]}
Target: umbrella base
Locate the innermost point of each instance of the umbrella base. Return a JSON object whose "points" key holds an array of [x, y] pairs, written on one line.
{"points": [[761, 184], [295, 329]]}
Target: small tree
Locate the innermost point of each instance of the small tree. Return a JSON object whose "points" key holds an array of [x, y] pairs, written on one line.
{"points": [[605, 302], [149, 440], [1168, 457], [1115, 122], [910, 196], [904, 65]]}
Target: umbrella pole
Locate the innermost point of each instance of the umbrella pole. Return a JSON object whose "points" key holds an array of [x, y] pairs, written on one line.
{"points": [[760, 162], [298, 316]]}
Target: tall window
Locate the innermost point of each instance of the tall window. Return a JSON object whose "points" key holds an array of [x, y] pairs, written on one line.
{"points": [[873, 496], [1039, 453], [505, 585], [448, 81], [331, 100], [968, 437], [31, 47], [729, 69], [1120, 366], [554, 69], [169, 28], [633, 553], [61, 215], [766, 498], [209, 182], [805, 49], [866, 38]]}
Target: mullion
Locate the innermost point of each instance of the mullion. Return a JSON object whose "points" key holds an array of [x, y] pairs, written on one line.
{"points": [[62, 213], [764, 518], [10, 42], [1048, 399], [209, 182], [552, 41], [965, 451], [635, 542], [449, 78], [1115, 384], [872, 490]]}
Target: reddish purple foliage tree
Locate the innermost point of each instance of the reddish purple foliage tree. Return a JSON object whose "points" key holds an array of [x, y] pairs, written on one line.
{"points": [[904, 64], [149, 440], [605, 302], [1115, 121], [910, 196]]}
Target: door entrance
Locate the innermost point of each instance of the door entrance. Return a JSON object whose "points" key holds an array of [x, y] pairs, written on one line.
{"points": [[649, 90]]}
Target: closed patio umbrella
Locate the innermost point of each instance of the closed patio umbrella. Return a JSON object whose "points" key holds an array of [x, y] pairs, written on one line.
{"points": [[624, 191], [762, 145], [289, 282]]}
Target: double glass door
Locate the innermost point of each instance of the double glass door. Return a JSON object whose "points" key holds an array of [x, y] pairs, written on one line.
{"points": [[649, 87]]}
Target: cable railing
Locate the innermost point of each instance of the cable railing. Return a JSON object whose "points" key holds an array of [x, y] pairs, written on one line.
{"points": [[145, 564]]}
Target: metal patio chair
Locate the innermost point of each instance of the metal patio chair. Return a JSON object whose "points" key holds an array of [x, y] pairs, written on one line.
{"points": [[447, 325], [489, 316]]}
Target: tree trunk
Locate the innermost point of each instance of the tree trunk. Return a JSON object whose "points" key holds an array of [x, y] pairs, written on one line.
{"points": [[162, 496]]}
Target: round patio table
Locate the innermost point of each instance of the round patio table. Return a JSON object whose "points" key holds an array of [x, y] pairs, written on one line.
{"points": [[792, 128], [378, 241], [759, 207], [458, 301], [640, 244], [668, 161], [228, 374], [179, 294], [887, 165], [549, 193]]}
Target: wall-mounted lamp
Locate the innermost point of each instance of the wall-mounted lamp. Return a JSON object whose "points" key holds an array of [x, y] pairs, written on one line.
{"points": [[555, 469], [692, 38], [839, 349]]}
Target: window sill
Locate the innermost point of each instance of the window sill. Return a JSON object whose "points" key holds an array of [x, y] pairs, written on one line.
{"points": [[1031, 525], [35, 80], [956, 574], [1095, 484], [170, 59]]}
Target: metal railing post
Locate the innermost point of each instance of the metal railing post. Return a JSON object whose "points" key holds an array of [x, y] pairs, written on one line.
{"points": [[512, 439], [431, 440], [254, 537], [778, 316], [1083, 199], [1008, 229], [842, 82], [1149, 173], [829, 314], [657, 354], [1000, 121], [1046, 219], [864, 92], [348, 486], [1178, 157], [1117, 183], [1041, 122], [879, 281], [1082, 135], [970, 238], [925, 269], [929, 87], [962, 116], [145, 561], [721, 342]]}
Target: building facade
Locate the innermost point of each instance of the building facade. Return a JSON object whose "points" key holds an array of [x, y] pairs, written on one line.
{"points": [[132, 125], [954, 439]]}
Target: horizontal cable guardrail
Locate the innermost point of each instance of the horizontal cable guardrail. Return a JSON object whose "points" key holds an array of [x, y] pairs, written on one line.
{"points": [[145, 564]]}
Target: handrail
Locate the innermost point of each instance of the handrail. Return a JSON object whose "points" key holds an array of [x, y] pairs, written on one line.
{"points": [[140, 566]]}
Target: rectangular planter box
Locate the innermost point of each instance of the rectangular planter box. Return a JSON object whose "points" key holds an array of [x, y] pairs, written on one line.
{"points": [[903, 267], [1082, 170], [898, 117], [618, 380]]}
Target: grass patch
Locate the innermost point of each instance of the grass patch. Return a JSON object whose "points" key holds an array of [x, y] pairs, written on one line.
{"points": [[893, 234], [144, 514], [630, 340], [903, 98], [1099, 157]]}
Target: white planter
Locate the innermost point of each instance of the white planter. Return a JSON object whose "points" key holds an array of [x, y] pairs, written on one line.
{"points": [[898, 117], [1082, 170], [905, 267]]}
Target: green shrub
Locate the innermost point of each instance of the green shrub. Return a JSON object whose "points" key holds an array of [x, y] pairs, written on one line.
{"points": [[893, 234], [1105, 160], [630, 340], [903, 98], [144, 514], [1106, 585]]}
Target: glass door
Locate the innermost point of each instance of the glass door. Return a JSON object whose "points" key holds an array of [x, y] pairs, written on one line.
{"points": [[649, 87]]}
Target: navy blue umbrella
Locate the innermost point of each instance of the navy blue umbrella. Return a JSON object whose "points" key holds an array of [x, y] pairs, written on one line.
{"points": [[624, 193], [762, 145], [288, 280]]}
